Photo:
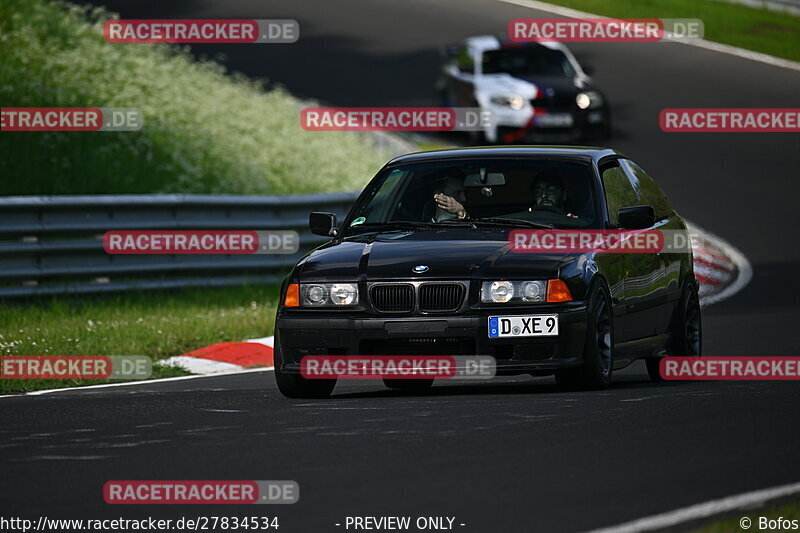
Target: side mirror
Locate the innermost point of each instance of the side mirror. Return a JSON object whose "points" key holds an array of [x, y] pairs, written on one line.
{"points": [[322, 224], [587, 69], [637, 217]]}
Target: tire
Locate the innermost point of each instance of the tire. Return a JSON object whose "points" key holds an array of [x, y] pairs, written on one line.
{"points": [[598, 350], [687, 330], [408, 384], [295, 385]]}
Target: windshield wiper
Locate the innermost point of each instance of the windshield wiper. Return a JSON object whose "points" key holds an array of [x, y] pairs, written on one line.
{"points": [[457, 222], [511, 222], [393, 225]]}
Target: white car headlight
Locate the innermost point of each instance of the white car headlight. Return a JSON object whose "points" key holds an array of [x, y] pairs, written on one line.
{"points": [[497, 291], [519, 291], [533, 291], [513, 101], [589, 100], [328, 294]]}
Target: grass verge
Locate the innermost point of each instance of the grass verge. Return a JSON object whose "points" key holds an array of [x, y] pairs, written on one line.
{"points": [[163, 325], [205, 131], [769, 32]]}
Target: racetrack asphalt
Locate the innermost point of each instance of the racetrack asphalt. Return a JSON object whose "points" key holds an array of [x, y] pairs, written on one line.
{"points": [[509, 455]]}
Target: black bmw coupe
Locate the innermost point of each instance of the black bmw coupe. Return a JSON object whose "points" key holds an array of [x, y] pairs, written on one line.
{"points": [[423, 264]]}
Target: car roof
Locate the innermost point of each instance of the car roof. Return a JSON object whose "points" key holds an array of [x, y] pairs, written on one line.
{"points": [[481, 152]]}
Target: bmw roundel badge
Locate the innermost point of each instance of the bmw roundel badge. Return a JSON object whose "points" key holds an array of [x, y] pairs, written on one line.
{"points": [[420, 269]]}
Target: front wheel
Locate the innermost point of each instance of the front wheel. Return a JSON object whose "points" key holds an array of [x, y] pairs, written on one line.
{"points": [[295, 385], [598, 351], [687, 330]]}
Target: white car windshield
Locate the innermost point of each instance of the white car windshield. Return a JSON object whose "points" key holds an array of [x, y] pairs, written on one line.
{"points": [[529, 60]]}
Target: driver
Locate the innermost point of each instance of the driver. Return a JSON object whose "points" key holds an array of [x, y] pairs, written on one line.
{"points": [[450, 200], [549, 193]]}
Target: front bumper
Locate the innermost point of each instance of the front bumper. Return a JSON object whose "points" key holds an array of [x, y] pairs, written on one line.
{"points": [[522, 126], [315, 332]]}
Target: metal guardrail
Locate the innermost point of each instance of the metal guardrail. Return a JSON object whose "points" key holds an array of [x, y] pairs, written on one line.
{"points": [[54, 245]]}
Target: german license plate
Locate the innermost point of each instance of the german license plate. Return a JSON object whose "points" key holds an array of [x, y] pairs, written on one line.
{"points": [[553, 120], [523, 326]]}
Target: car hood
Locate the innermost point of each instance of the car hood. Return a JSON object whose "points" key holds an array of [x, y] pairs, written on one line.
{"points": [[530, 86], [448, 254], [496, 84], [557, 84]]}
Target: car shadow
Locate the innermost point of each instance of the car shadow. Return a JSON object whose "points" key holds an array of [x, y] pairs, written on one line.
{"points": [[538, 387]]}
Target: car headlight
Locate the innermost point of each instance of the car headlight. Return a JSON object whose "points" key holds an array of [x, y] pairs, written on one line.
{"points": [[513, 101], [519, 291], [533, 291], [328, 294], [589, 100]]}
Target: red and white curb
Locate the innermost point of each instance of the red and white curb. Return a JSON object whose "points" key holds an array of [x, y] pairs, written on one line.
{"points": [[225, 357], [719, 267]]}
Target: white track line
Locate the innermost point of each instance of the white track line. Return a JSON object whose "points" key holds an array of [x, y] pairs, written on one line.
{"points": [[700, 43], [198, 365], [703, 510], [133, 383]]}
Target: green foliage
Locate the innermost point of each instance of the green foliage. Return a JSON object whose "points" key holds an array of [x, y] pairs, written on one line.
{"points": [[205, 131], [769, 32], [159, 324]]}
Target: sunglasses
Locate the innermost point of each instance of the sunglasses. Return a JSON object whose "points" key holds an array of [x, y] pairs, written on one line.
{"points": [[547, 188]]}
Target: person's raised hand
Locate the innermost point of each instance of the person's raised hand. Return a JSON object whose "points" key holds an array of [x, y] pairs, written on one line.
{"points": [[449, 204]]}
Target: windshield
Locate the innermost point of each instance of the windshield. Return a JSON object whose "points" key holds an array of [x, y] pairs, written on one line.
{"points": [[527, 60], [501, 192]]}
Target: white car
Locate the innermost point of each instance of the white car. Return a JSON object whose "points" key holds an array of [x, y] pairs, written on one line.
{"points": [[537, 92]]}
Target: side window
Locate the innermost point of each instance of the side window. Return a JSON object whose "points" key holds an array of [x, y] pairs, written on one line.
{"points": [[650, 192], [465, 62], [619, 190]]}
